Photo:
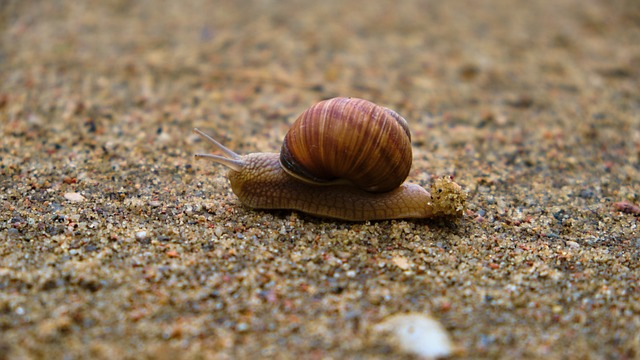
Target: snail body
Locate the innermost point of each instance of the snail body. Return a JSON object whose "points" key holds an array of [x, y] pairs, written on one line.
{"points": [[310, 175]]}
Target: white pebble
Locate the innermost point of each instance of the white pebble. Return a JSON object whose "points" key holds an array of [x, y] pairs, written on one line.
{"points": [[573, 244], [218, 231], [141, 235], [418, 334], [73, 197]]}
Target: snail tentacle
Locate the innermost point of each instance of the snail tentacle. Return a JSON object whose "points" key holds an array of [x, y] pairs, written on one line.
{"points": [[231, 159], [228, 152]]}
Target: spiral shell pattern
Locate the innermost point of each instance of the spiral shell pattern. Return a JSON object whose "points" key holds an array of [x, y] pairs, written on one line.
{"points": [[349, 140]]}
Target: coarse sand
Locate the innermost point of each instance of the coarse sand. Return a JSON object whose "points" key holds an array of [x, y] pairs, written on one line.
{"points": [[116, 243]]}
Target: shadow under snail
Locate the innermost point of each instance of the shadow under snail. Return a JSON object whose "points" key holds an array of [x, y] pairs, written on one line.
{"points": [[343, 158]]}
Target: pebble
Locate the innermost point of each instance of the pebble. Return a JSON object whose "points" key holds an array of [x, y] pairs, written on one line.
{"points": [[573, 244], [417, 334], [73, 197], [401, 262]]}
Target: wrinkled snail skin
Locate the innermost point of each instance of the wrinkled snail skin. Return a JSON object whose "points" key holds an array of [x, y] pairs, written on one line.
{"points": [[343, 158], [262, 184]]}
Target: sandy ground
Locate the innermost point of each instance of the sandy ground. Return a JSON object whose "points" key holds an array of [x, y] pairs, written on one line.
{"points": [[116, 243]]}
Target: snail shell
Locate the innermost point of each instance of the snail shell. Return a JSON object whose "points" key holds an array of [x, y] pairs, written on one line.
{"points": [[349, 140]]}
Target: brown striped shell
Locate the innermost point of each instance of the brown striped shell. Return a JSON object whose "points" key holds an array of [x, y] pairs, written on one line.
{"points": [[349, 140]]}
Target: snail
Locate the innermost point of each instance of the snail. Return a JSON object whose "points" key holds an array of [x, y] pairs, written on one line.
{"points": [[343, 158]]}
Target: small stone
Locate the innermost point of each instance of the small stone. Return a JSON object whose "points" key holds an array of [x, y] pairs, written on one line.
{"points": [[418, 334], [401, 262], [587, 193], [74, 197], [141, 235], [13, 232], [627, 207], [218, 231], [573, 244]]}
